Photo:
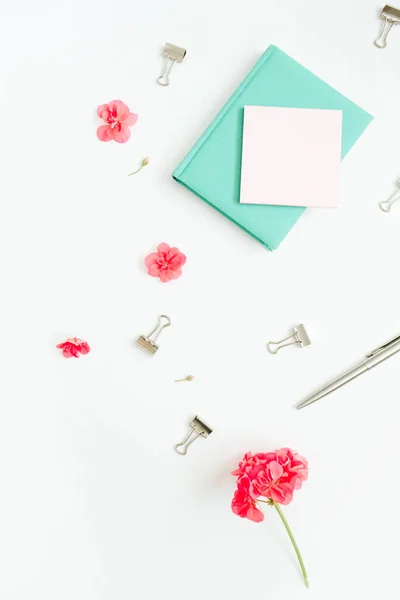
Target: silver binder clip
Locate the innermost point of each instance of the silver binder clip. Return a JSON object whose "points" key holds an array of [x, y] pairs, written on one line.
{"points": [[172, 55], [386, 205], [391, 16], [148, 343], [300, 336], [197, 428]]}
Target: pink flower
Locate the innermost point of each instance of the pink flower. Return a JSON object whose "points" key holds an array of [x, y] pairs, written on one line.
{"points": [[166, 263], [118, 119], [243, 504], [74, 347], [273, 475]]}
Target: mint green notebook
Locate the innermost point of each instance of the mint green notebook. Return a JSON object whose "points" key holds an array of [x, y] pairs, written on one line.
{"points": [[212, 168]]}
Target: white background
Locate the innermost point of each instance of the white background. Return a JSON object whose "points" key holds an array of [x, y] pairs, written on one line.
{"points": [[94, 503]]}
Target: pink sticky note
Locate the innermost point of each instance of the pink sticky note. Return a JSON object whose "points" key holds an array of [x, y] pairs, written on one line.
{"points": [[291, 156]]}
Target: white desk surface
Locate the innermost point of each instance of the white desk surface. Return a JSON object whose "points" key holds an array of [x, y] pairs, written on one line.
{"points": [[95, 505]]}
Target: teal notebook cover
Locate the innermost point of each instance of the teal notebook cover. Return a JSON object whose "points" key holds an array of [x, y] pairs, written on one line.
{"points": [[212, 168]]}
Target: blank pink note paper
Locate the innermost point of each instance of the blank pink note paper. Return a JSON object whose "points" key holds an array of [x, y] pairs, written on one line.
{"points": [[291, 156]]}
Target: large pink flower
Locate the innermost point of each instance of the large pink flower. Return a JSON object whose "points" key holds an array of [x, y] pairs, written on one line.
{"points": [[118, 119], [74, 347], [273, 475], [270, 475], [166, 263], [243, 504]]}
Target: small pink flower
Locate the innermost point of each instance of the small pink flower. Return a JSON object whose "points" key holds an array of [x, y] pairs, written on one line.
{"points": [[74, 347], [118, 119], [166, 263], [243, 504]]}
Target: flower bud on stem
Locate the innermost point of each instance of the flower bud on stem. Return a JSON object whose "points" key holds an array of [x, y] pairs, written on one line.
{"points": [[145, 162]]}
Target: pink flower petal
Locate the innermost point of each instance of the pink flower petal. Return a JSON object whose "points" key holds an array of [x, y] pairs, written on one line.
{"points": [[182, 258], [106, 116], [175, 262], [302, 462], [154, 270], [105, 133], [151, 259], [276, 470], [67, 352], [282, 494], [237, 472], [175, 273], [101, 109], [255, 514], [74, 351], [176, 258], [163, 247], [123, 135], [165, 275], [129, 120], [84, 348], [121, 108]]}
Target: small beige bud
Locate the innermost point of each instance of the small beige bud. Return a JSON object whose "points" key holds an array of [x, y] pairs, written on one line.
{"points": [[188, 378]]}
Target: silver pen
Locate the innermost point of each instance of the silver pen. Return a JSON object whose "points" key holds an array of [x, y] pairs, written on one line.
{"points": [[371, 360]]}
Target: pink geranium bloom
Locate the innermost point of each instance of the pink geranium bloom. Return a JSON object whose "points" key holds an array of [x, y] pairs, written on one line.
{"points": [[118, 119], [243, 504], [74, 347], [274, 476], [166, 263]]}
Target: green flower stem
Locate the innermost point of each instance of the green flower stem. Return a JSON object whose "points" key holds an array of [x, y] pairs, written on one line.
{"points": [[145, 162], [295, 546], [134, 172]]}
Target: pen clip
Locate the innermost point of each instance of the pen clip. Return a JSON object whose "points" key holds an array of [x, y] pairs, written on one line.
{"points": [[384, 347]]}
